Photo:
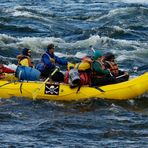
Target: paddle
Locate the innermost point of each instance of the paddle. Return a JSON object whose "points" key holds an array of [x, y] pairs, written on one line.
{"points": [[91, 48], [36, 92], [136, 69]]}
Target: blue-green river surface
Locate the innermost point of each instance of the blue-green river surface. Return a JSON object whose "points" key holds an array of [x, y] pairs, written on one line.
{"points": [[118, 26]]}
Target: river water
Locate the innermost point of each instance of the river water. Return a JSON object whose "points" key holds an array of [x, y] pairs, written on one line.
{"points": [[118, 26]]}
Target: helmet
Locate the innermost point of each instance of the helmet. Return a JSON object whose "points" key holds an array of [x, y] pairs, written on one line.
{"points": [[97, 54], [25, 51], [109, 56]]}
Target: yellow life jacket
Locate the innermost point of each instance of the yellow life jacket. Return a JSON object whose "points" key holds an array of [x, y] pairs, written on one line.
{"points": [[70, 66], [86, 64], [83, 66], [80, 66], [24, 61]]}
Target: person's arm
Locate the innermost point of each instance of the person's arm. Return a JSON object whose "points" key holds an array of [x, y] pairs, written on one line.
{"points": [[98, 69], [60, 61], [47, 61]]}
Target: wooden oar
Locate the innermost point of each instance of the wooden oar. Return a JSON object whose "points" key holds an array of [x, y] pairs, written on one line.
{"points": [[137, 69], [36, 92], [141, 68]]}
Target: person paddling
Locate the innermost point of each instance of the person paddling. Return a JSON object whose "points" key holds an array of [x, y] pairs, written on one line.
{"points": [[48, 64]]}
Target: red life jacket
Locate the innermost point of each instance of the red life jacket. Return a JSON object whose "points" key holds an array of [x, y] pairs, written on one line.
{"points": [[85, 75], [85, 71], [113, 67], [85, 78]]}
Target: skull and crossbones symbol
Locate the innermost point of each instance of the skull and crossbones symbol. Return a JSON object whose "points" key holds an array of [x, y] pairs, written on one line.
{"points": [[52, 89]]}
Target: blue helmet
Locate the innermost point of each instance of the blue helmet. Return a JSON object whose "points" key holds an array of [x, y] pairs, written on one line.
{"points": [[25, 51]]}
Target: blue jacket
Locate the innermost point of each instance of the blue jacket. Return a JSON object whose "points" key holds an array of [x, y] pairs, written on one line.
{"points": [[46, 63]]}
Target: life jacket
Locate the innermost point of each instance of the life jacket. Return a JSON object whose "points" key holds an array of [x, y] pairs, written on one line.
{"points": [[113, 67], [24, 60], [85, 64], [52, 60], [85, 78], [80, 73], [41, 66], [85, 72], [94, 73]]}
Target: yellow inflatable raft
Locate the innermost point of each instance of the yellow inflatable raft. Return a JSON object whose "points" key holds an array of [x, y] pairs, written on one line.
{"points": [[62, 92]]}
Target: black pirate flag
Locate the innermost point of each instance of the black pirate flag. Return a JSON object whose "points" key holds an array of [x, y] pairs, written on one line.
{"points": [[52, 89]]}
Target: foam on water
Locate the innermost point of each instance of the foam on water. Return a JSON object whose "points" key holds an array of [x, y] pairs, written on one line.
{"points": [[135, 1], [11, 66], [39, 44]]}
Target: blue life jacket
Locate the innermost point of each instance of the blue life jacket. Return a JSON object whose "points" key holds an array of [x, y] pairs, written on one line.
{"points": [[46, 63]]}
